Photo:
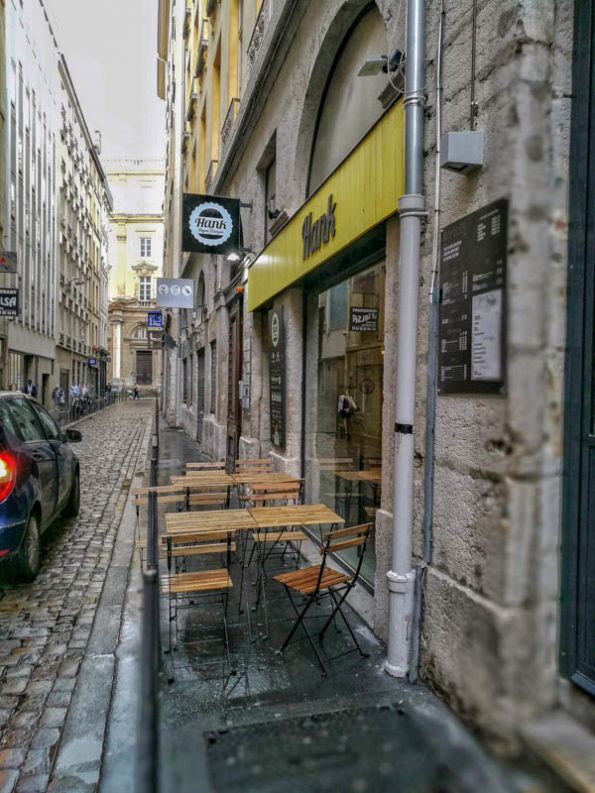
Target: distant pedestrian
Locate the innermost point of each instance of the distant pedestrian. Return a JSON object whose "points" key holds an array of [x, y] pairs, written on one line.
{"points": [[31, 389], [136, 395], [56, 396], [14, 387]]}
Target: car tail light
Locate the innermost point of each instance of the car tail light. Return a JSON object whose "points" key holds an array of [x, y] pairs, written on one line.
{"points": [[8, 470]]}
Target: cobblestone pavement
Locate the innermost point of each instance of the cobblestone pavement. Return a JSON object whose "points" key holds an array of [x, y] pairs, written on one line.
{"points": [[45, 626]]}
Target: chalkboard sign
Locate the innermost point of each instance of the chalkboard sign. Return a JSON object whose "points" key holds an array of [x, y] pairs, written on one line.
{"points": [[277, 376], [472, 313]]}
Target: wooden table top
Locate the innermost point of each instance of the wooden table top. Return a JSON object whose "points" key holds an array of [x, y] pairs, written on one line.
{"points": [[206, 478], [209, 520], [374, 476], [257, 478], [300, 514]]}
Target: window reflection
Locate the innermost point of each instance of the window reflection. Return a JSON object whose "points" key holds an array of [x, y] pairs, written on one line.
{"points": [[344, 462]]}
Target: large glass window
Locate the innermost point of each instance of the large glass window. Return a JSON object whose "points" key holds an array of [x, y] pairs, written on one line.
{"points": [[344, 406]]}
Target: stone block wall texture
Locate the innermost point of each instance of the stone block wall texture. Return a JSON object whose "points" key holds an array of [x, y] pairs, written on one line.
{"points": [[491, 599]]}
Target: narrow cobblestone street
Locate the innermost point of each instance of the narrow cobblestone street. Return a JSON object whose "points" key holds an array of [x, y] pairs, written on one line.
{"points": [[45, 626]]}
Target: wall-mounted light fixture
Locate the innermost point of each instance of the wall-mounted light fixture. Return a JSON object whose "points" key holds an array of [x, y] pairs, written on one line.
{"points": [[375, 64]]}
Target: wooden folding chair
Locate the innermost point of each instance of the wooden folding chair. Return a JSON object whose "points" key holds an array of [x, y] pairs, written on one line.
{"points": [[196, 583], [319, 581], [216, 466], [263, 466], [283, 493]]}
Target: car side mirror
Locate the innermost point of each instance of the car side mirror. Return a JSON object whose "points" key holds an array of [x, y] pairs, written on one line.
{"points": [[72, 436]]}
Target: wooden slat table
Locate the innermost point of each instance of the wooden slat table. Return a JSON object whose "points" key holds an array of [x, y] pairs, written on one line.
{"points": [[374, 476], [209, 520], [207, 479], [259, 478], [301, 514]]}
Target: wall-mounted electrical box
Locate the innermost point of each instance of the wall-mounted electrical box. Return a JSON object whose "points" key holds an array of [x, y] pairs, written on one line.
{"points": [[461, 152]]}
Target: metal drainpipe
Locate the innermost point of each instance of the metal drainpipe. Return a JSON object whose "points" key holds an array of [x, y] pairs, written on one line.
{"points": [[401, 577]]}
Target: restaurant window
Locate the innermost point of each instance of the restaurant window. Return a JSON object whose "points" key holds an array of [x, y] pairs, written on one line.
{"points": [[344, 404]]}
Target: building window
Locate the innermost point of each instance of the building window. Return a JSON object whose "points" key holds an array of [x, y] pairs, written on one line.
{"points": [[344, 404], [185, 380], [144, 288], [140, 334], [191, 387], [213, 377], [270, 198], [145, 247]]}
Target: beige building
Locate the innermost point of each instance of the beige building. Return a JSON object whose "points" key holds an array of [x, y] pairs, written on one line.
{"points": [[135, 263], [490, 581], [84, 205]]}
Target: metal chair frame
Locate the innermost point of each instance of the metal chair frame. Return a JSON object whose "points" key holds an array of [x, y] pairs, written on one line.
{"points": [[337, 593]]}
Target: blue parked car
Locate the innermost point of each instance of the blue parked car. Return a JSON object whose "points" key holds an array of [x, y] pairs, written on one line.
{"points": [[39, 479]]}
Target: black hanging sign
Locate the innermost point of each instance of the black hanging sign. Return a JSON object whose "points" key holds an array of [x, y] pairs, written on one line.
{"points": [[211, 224], [277, 376], [472, 315]]}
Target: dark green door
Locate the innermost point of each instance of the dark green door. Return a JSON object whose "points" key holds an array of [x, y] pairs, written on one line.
{"points": [[578, 549]]}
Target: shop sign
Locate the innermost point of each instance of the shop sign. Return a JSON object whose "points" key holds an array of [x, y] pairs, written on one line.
{"points": [[8, 262], [92, 361], [314, 234], [155, 319], [9, 302], [363, 319], [277, 376], [472, 317], [175, 293], [211, 224]]}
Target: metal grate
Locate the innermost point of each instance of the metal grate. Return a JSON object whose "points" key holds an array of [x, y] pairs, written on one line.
{"points": [[368, 749]]}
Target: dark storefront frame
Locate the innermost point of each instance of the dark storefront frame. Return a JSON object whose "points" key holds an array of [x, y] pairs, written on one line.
{"points": [[577, 657]]}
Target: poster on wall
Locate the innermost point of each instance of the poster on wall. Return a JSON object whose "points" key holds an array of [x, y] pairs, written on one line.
{"points": [[472, 312], [210, 224], [363, 319], [277, 375]]}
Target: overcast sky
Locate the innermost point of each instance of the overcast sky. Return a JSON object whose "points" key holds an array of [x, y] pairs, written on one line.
{"points": [[111, 50]]}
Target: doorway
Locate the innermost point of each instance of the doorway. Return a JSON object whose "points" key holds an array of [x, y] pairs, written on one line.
{"points": [[144, 367], [234, 408], [578, 520]]}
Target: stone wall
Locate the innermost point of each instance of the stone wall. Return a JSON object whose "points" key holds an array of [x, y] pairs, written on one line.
{"points": [[491, 599]]}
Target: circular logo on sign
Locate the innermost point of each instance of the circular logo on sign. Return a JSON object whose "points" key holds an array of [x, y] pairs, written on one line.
{"points": [[275, 330], [211, 224], [186, 290], [175, 290], [163, 289]]}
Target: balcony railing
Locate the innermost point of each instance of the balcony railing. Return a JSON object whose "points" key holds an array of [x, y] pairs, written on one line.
{"points": [[211, 174], [203, 45], [230, 117], [187, 20], [191, 112], [210, 7], [262, 21]]}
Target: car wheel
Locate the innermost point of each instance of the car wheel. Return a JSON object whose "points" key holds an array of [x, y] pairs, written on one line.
{"points": [[25, 565], [74, 501]]}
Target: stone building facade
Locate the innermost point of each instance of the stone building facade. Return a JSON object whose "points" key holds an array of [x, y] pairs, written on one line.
{"points": [[135, 263], [84, 205], [314, 150]]}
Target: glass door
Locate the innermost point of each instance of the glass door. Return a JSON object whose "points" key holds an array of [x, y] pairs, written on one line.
{"points": [[344, 407]]}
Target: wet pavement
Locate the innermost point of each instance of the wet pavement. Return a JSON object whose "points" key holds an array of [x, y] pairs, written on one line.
{"points": [[269, 722], [47, 627]]}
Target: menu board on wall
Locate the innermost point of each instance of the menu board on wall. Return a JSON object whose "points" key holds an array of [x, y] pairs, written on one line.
{"points": [[472, 314], [277, 375]]}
